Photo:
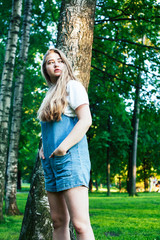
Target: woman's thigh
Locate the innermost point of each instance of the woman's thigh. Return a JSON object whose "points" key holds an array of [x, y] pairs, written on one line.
{"points": [[78, 204], [58, 208]]}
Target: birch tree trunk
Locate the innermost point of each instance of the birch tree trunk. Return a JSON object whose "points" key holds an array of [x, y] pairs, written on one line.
{"points": [[37, 223], [76, 41], [12, 170], [75, 35], [6, 91]]}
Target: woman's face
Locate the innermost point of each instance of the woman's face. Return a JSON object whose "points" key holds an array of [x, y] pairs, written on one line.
{"points": [[54, 65]]}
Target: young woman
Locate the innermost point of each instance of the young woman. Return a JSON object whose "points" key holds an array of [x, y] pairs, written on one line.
{"points": [[65, 118]]}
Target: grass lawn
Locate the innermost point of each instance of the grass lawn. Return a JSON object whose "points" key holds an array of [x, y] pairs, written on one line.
{"points": [[11, 225], [115, 217], [125, 218]]}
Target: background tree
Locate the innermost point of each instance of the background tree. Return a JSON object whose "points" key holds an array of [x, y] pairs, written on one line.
{"points": [[116, 65], [11, 188], [6, 91], [148, 148]]}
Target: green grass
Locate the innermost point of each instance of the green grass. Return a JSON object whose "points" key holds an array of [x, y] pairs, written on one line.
{"points": [[125, 218], [25, 187], [116, 217], [11, 225]]}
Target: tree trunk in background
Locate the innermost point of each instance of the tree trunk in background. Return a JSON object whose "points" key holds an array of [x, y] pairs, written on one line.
{"points": [[145, 176], [108, 171], [12, 170], [91, 182], [6, 91], [19, 180], [108, 160], [37, 223], [135, 125], [75, 35], [134, 143]]}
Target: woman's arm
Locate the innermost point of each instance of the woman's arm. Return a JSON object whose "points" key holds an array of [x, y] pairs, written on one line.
{"points": [[78, 132]]}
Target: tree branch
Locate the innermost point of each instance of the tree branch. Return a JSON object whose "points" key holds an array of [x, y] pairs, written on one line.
{"points": [[127, 41], [113, 76], [126, 19], [126, 64], [115, 59]]}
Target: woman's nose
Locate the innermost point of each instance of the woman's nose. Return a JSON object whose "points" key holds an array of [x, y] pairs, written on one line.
{"points": [[56, 63]]}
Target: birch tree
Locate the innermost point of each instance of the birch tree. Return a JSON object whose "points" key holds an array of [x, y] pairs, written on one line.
{"points": [[6, 90], [75, 38], [11, 189], [75, 35]]}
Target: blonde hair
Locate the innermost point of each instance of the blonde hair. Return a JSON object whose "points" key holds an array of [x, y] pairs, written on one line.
{"points": [[55, 100]]}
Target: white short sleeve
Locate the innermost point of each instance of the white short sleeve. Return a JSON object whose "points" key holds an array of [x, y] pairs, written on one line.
{"points": [[77, 94]]}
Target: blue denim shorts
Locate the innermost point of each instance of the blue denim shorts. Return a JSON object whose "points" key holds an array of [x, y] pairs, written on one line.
{"points": [[72, 169]]}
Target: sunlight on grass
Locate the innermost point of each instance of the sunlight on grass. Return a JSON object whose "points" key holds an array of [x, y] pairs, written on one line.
{"points": [[102, 189]]}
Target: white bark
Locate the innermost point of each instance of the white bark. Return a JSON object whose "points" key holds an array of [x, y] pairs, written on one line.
{"points": [[6, 91], [12, 170], [37, 224]]}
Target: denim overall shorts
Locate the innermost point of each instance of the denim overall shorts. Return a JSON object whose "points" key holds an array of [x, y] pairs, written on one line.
{"points": [[72, 169]]}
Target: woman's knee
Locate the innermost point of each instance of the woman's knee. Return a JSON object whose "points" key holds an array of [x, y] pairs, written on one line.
{"points": [[81, 227], [59, 221]]}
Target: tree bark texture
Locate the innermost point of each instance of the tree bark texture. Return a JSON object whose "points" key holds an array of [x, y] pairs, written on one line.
{"points": [[6, 90], [12, 169], [75, 35], [37, 223]]}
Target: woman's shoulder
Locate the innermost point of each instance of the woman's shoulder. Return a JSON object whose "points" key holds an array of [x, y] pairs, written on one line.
{"points": [[74, 83]]}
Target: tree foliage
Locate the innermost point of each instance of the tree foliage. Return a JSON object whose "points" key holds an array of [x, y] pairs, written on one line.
{"points": [[119, 58]]}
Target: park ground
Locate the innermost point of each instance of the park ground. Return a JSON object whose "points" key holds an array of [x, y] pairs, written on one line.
{"points": [[118, 217]]}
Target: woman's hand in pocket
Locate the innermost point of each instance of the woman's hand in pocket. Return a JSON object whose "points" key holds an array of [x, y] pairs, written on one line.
{"points": [[58, 152], [41, 153]]}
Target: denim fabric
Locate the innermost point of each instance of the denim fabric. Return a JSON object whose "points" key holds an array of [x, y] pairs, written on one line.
{"points": [[72, 169]]}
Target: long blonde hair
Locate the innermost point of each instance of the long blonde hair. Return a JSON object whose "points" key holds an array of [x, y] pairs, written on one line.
{"points": [[55, 100]]}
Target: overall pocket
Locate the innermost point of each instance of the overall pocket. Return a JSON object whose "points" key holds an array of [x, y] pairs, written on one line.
{"points": [[62, 165], [47, 168]]}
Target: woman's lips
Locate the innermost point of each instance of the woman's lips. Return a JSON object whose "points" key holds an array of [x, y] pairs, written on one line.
{"points": [[57, 70]]}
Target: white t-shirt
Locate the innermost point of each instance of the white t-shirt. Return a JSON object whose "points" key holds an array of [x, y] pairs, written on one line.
{"points": [[77, 96]]}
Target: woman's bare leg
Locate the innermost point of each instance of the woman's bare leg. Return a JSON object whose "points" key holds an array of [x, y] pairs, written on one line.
{"points": [[59, 215], [78, 206]]}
